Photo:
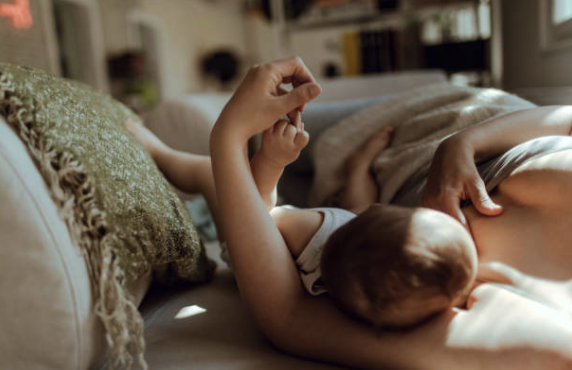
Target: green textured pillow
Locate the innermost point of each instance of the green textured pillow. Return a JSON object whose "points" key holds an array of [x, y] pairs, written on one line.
{"points": [[119, 208]]}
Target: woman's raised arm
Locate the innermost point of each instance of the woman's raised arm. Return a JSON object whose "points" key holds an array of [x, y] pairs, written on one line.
{"points": [[264, 269]]}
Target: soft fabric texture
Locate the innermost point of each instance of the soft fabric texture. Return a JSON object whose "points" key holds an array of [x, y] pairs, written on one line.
{"points": [[295, 183], [210, 328], [388, 83], [119, 209], [422, 118], [185, 123], [309, 262], [46, 311]]}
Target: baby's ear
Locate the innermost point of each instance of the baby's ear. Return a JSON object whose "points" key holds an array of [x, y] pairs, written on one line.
{"points": [[470, 301]]}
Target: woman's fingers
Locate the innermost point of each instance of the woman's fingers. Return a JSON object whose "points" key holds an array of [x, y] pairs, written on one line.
{"points": [[296, 99], [293, 70], [480, 198], [449, 200]]}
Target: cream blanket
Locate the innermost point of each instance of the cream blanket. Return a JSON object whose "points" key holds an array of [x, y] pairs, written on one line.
{"points": [[421, 119]]}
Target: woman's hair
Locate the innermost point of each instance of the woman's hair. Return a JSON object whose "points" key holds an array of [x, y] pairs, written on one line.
{"points": [[378, 265]]}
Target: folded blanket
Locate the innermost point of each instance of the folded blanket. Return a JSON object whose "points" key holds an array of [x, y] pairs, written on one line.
{"points": [[421, 119]]}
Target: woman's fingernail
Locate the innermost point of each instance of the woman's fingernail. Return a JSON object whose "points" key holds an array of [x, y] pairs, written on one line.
{"points": [[315, 89]]}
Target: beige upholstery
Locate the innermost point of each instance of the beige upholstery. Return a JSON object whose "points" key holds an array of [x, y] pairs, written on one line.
{"points": [[224, 337], [366, 86], [185, 123], [46, 316]]}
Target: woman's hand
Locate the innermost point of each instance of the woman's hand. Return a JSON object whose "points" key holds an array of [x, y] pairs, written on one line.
{"points": [[260, 101], [453, 177]]}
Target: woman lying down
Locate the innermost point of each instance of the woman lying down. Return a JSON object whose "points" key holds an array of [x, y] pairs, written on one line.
{"points": [[519, 319]]}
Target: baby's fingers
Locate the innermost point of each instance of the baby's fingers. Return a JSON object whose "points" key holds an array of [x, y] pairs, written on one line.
{"points": [[280, 127], [290, 132], [302, 138]]}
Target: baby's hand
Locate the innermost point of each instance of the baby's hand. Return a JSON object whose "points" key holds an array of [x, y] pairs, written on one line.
{"points": [[283, 142]]}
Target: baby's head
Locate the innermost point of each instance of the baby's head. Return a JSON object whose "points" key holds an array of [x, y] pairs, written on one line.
{"points": [[396, 266]]}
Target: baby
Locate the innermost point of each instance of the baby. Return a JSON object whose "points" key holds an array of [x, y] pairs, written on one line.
{"points": [[389, 266], [396, 267]]}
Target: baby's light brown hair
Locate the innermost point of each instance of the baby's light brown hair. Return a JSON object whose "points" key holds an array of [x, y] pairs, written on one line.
{"points": [[391, 270]]}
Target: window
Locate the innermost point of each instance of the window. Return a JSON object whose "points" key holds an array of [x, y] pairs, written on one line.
{"points": [[555, 24], [561, 11]]}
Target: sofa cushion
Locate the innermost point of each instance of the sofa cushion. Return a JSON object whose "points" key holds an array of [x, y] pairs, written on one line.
{"points": [[209, 328], [118, 207], [46, 311]]}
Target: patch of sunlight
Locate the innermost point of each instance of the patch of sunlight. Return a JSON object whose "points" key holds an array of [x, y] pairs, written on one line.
{"points": [[189, 311]]}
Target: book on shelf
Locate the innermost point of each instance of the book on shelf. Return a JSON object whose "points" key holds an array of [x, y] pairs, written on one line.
{"points": [[371, 51]]}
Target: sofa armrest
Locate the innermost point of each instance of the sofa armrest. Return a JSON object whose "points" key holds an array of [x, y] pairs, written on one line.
{"points": [[46, 315]]}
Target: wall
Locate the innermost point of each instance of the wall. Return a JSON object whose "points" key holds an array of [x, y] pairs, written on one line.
{"points": [[192, 28], [189, 29], [525, 65], [32, 46], [318, 48], [113, 17]]}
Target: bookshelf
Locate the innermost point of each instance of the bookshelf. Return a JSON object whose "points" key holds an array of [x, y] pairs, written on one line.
{"points": [[385, 36]]}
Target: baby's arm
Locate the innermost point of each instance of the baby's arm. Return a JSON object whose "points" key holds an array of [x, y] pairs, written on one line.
{"points": [[361, 189], [281, 145]]}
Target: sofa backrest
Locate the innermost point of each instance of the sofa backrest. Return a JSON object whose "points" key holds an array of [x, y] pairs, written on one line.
{"points": [[392, 83]]}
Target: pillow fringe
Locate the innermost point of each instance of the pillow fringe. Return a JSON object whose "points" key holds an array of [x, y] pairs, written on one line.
{"points": [[73, 193]]}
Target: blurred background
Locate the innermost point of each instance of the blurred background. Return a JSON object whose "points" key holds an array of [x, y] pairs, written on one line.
{"points": [[146, 51]]}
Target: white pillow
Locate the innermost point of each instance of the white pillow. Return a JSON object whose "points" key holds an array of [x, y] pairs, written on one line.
{"points": [[185, 123], [46, 316]]}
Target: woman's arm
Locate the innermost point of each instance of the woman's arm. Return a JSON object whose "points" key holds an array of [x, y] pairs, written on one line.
{"points": [[453, 175], [263, 266], [500, 330]]}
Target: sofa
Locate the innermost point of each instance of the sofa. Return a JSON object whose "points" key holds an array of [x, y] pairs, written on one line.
{"points": [[47, 315]]}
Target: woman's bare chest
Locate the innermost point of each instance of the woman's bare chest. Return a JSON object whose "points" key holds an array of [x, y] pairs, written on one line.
{"points": [[534, 232], [535, 242]]}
